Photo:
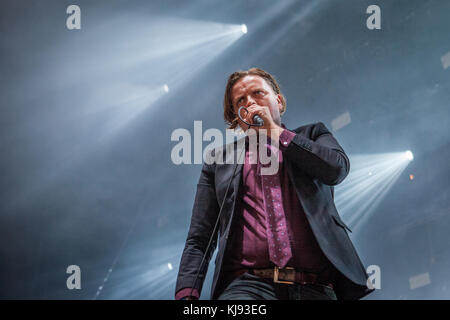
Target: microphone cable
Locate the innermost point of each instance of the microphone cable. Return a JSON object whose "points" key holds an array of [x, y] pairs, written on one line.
{"points": [[256, 118]]}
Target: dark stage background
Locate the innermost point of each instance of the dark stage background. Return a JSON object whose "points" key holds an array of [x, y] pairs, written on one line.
{"points": [[87, 115]]}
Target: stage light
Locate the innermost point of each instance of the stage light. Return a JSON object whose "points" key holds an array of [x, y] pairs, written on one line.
{"points": [[150, 275], [121, 103], [409, 155], [182, 47], [369, 180]]}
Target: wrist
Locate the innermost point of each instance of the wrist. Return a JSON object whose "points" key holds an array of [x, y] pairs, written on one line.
{"points": [[275, 132]]}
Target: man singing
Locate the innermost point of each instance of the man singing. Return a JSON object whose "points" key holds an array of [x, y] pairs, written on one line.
{"points": [[280, 235]]}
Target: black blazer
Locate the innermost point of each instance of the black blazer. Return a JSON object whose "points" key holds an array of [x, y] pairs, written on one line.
{"points": [[315, 162]]}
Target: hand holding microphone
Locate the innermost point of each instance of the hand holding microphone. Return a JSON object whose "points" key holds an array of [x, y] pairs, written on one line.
{"points": [[263, 120], [257, 120]]}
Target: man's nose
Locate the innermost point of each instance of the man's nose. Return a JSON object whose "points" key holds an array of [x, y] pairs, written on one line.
{"points": [[250, 101]]}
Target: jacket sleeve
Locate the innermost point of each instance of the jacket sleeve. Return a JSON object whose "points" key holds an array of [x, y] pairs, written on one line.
{"points": [[321, 156], [204, 215]]}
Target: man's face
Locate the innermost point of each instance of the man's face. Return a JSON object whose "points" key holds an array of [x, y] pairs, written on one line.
{"points": [[255, 90]]}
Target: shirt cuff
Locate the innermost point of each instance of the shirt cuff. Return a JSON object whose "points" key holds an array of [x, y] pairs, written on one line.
{"points": [[186, 292], [285, 139]]}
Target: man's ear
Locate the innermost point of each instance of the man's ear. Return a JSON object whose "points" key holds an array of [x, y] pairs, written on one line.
{"points": [[280, 102]]}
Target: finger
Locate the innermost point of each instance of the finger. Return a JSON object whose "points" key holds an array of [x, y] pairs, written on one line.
{"points": [[263, 112], [249, 116], [255, 110]]}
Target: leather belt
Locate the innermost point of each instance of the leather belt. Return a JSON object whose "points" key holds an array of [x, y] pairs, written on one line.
{"points": [[288, 275]]}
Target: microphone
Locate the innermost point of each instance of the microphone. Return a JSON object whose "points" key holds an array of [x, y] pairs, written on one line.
{"points": [[258, 121]]}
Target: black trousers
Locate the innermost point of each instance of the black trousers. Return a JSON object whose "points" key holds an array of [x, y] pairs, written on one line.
{"points": [[250, 287]]}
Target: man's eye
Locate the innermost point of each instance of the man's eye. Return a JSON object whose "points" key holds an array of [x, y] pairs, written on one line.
{"points": [[259, 92]]}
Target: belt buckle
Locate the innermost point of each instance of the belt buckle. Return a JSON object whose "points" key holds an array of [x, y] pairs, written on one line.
{"points": [[276, 273]]}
